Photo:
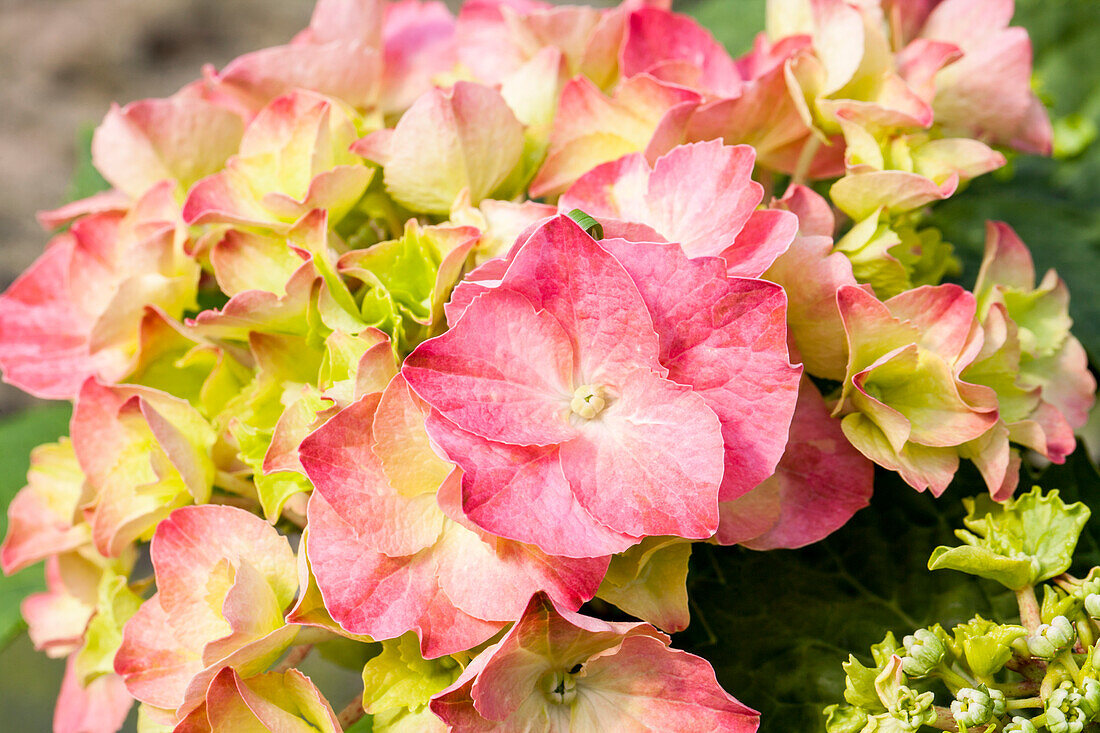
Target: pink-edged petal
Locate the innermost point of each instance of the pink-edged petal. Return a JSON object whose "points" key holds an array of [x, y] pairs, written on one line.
{"points": [[44, 336], [749, 515], [725, 338], [919, 466], [99, 707], [643, 685], [42, 518], [504, 371], [651, 462], [57, 618], [350, 20], [821, 480], [644, 115], [192, 540], [402, 445], [860, 195], [178, 139], [369, 593], [520, 492], [348, 70], [766, 236], [462, 139], [104, 202], [815, 215], [157, 659], [471, 561], [339, 461], [562, 270], [700, 195]]}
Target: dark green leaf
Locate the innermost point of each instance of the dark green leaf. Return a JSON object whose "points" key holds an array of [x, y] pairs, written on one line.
{"points": [[778, 625]]}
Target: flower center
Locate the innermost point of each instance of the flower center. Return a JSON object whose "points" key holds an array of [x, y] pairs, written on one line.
{"points": [[588, 401], [559, 687]]}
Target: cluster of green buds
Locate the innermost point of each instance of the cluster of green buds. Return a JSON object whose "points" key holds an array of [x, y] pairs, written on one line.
{"points": [[1038, 673]]}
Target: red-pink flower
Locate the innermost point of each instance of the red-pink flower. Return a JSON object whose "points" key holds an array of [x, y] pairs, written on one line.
{"points": [[390, 547], [224, 578], [598, 394], [562, 672], [701, 196], [78, 311]]}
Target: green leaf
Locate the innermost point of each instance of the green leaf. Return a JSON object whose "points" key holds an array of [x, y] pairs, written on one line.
{"points": [[777, 625], [18, 435], [985, 645], [363, 725], [1020, 543], [985, 563], [86, 180], [399, 678], [733, 22]]}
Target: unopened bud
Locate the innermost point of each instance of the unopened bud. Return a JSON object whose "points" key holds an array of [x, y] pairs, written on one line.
{"points": [[1064, 712], [1020, 725], [923, 651], [974, 707], [1051, 638]]}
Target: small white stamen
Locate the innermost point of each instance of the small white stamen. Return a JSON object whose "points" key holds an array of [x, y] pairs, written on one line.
{"points": [[588, 401]]}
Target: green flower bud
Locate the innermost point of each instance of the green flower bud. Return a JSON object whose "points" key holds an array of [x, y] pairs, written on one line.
{"points": [[1020, 725], [845, 719], [1064, 713], [1092, 605], [923, 651], [1052, 638], [1090, 698], [913, 710], [974, 707]]}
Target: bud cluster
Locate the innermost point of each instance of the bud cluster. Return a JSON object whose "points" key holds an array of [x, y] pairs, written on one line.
{"points": [[1040, 674]]}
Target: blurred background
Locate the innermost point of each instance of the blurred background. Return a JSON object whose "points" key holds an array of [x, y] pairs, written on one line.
{"points": [[63, 62]]}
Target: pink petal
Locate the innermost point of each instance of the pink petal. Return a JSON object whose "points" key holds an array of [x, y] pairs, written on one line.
{"points": [[646, 686], [726, 338], [562, 270], [348, 70], [644, 115], [100, 707], [520, 492], [505, 371], [341, 465], [192, 540], [369, 593], [177, 139], [651, 463], [655, 36], [821, 480]]}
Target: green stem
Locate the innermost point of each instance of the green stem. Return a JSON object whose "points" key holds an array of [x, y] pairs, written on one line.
{"points": [[1015, 689], [954, 680], [1084, 633], [1027, 702], [1065, 658]]}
